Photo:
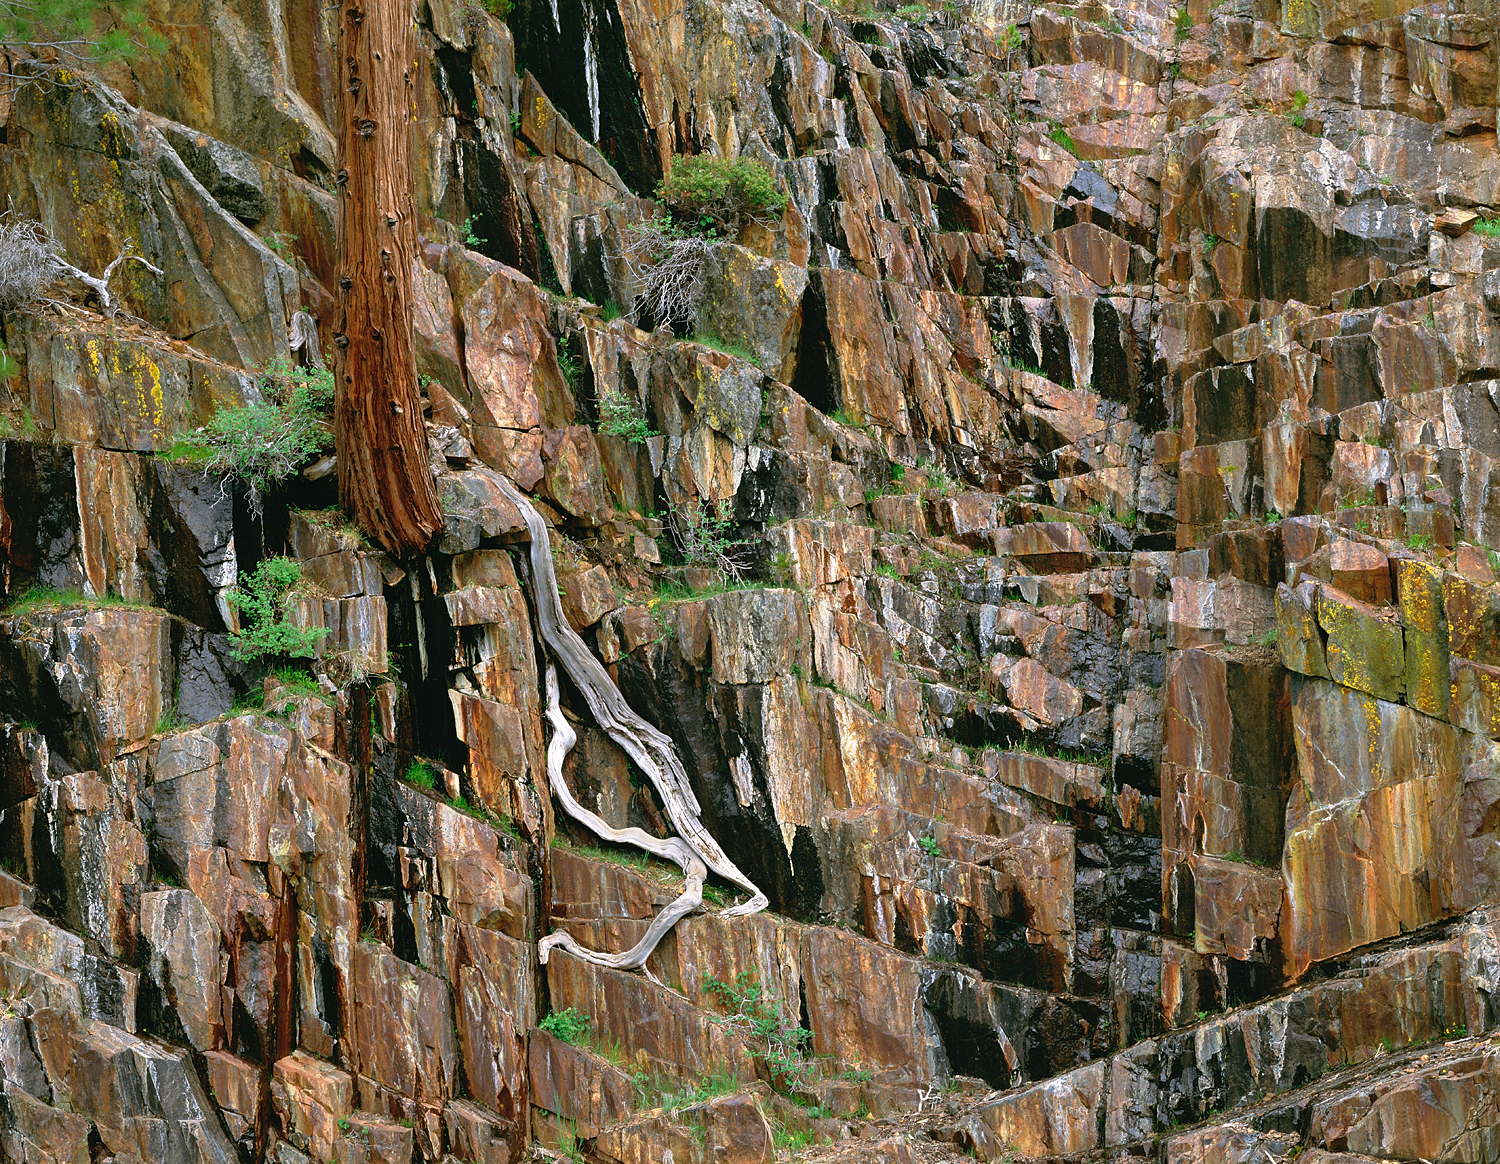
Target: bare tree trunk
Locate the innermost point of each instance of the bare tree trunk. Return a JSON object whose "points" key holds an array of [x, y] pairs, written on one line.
{"points": [[384, 481]]}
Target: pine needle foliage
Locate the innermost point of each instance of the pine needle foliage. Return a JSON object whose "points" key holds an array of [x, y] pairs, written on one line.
{"points": [[78, 33]]}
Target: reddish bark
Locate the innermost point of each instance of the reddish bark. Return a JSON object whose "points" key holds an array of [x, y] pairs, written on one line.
{"points": [[384, 480]]}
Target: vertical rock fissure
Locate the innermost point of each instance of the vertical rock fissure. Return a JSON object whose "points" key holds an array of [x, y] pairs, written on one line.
{"points": [[694, 850]]}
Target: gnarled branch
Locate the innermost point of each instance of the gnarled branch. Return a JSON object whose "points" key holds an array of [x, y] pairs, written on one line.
{"points": [[651, 750]]}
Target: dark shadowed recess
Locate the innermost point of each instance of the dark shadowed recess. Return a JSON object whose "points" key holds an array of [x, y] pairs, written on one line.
{"points": [[553, 50], [708, 728]]}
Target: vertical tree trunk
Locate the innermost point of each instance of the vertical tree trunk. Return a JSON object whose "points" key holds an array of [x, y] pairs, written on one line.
{"points": [[384, 480]]}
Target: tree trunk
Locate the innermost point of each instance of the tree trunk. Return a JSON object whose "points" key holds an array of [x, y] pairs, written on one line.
{"points": [[384, 481]]}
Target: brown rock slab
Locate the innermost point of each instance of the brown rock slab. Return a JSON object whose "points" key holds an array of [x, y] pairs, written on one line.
{"points": [[236, 1087], [1056, 1118], [1052, 546], [311, 1097], [1031, 688], [731, 1129], [1424, 617], [1360, 571], [186, 965], [1378, 839], [1299, 639], [587, 596], [1236, 906], [480, 1136], [577, 1085], [403, 1025]]}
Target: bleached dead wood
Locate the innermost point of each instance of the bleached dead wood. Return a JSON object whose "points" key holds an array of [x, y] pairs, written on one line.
{"points": [[694, 849]]}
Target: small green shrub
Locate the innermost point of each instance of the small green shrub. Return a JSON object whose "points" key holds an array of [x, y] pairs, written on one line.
{"points": [[706, 538], [569, 364], [266, 442], [717, 196], [570, 1025], [1009, 40], [74, 31], [472, 240], [262, 601], [738, 351], [931, 847], [753, 1010], [1489, 227], [1183, 22], [1298, 115], [620, 416]]}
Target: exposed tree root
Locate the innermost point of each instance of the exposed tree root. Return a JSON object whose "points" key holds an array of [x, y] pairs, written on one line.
{"points": [[695, 849]]}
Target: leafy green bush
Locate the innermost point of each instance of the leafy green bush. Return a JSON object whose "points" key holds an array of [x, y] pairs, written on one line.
{"points": [[567, 363], [570, 1025], [753, 1010], [262, 602], [1184, 23], [620, 416], [266, 442], [1064, 139], [1298, 116], [711, 196], [706, 538]]}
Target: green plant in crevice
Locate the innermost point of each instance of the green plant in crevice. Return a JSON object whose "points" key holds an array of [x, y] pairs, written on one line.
{"points": [[262, 599], [620, 416], [931, 847], [83, 34], [755, 1011], [706, 538], [716, 196], [1060, 136], [1183, 22], [471, 240], [567, 363], [1297, 115], [267, 441], [420, 774], [569, 1024]]}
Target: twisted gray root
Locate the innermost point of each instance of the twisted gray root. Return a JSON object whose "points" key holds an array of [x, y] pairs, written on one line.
{"points": [[694, 849]]}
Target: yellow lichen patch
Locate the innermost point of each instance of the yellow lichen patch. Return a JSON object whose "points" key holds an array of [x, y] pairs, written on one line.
{"points": [[1364, 651]]}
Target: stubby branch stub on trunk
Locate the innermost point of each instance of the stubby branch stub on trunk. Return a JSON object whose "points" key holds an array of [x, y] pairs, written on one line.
{"points": [[384, 480]]}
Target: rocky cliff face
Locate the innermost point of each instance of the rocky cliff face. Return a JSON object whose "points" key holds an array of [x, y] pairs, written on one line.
{"points": [[1112, 424]]}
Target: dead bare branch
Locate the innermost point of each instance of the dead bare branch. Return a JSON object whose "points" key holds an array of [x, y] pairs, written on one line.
{"points": [[667, 268], [31, 261]]}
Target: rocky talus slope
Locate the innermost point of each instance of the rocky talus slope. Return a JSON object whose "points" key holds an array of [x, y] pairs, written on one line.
{"points": [[1110, 712]]}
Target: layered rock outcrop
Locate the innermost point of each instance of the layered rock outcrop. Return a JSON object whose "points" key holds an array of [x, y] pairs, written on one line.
{"points": [[1109, 709]]}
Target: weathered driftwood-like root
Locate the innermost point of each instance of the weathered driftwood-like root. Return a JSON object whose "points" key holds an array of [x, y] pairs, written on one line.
{"points": [[651, 750], [671, 848]]}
